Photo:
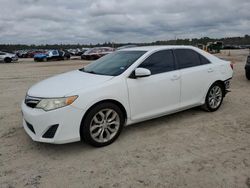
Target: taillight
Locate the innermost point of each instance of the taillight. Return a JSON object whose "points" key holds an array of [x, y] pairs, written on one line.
{"points": [[232, 65]]}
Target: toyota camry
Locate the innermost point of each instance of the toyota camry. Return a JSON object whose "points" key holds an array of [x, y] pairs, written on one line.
{"points": [[131, 85]]}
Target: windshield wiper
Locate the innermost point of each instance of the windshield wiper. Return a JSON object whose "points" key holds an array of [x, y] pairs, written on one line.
{"points": [[91, 72], [83, 70]]}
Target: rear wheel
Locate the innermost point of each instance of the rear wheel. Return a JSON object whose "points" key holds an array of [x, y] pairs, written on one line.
{"points": [[7, 60], [214, 97], [102, 124]]}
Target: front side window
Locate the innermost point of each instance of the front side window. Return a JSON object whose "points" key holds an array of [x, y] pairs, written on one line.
{"points": [[187, 58], [113, 64], [159, 62]]}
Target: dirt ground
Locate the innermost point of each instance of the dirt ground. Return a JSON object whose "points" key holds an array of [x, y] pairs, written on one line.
{"points": [[188, 149]]}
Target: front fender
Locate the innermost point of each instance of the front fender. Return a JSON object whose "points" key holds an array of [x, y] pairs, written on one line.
{"points": [[115, 89]]}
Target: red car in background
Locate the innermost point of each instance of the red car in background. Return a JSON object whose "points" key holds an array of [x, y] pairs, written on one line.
{"points": [[96, 53]]}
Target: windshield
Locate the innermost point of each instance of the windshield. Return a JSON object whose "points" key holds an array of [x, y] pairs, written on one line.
{"points": [[114, 63]]}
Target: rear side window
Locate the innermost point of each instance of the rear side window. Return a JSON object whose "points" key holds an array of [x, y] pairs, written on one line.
{"points": [[159, 62], [187, 58], [204, 60], [60, 53]]}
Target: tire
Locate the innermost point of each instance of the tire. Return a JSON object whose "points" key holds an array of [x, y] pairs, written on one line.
{"points": [[45, 59], [248, 75], [214, 97], [7, 60], [95, 127]]}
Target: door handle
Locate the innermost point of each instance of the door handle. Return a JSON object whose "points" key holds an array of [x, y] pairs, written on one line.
{"points": [[175, 77], [210, 70]]}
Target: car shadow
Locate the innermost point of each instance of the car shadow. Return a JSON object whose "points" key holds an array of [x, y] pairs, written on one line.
{"points": [[164, 121], [146, 126]]}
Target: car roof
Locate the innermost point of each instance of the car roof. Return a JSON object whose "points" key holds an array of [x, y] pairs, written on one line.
{"points": [[154, 48], [151, 49]]}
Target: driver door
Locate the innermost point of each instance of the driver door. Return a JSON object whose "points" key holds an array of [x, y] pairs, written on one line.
{"points": [[159, 93]]}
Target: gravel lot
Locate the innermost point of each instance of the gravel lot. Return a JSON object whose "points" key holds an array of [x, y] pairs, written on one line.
{"points": [[188, 149]]}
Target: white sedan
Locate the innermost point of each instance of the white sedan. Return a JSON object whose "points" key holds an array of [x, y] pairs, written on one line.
{"points": [[94, 103], [8, 57]]}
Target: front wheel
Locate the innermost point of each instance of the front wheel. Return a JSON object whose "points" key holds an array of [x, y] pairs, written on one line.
{"points": [[102, 124], [214, 98], [7, 60]]}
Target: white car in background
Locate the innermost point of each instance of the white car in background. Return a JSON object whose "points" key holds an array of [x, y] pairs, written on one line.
{"points": [[125, 87], [8, 57]]}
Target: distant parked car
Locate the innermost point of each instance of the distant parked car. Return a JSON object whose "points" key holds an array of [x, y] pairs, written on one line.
{"points": [[77, 52], [247, 68], [28, 54], [8, 57], [96, 53], [19, 53], [232, 47], [33, 53], [52, 55]]}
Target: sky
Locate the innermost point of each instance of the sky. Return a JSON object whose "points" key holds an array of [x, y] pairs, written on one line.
{"points": [[120, 21]]}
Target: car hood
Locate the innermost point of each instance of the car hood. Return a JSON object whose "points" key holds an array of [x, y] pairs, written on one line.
{"points": [[64, 84]]}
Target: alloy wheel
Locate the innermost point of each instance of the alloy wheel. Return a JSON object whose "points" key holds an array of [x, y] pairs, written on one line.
{"points": [[104, 125], [215, 97]]}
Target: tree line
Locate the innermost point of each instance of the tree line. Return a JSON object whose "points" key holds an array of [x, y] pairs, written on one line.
{"points": [[227, 41]]}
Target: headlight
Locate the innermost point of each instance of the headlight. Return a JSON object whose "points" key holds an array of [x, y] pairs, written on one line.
{"points": [[52, 104]]}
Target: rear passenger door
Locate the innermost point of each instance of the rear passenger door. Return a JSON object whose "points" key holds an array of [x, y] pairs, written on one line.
{"points": [[196, 75]]}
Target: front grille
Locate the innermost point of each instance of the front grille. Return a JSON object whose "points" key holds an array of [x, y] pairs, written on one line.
{"points": [[31, 101], [50, 133], [30, 127]]}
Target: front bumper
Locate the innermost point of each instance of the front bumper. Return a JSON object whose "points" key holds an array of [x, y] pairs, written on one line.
{"points": [[14, 58], [67, 118]]}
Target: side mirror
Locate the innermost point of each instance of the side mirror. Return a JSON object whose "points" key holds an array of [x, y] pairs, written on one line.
{"points": [[142, 72]]}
